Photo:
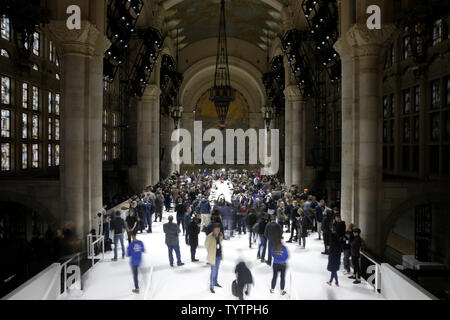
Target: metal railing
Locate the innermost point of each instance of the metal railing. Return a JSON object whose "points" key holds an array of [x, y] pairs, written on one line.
{"points": [[91, 247], [377, 265]]}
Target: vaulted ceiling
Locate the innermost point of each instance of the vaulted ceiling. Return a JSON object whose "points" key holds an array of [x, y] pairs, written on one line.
{"points": [[248, 20]]}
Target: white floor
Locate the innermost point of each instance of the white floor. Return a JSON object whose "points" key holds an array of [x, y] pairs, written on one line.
{"points": [[305, 280]]}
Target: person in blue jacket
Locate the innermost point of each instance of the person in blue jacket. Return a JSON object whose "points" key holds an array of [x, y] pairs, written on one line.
{"points": [[280, 256], [135, 251], [334, 259]]}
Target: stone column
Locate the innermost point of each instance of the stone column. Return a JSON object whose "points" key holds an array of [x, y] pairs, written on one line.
{"points": [[366, 48], [348, 169], [77, 50], [147, 135], [95, 118], [296, 143], [288, 144]]}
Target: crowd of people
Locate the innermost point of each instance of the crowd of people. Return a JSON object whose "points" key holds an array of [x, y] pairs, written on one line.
{"points": [[261, 206]]}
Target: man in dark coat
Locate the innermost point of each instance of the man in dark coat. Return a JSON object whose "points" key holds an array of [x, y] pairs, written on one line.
{"points": [[244, 279], [251, 221], [193, 230], [172, 232], [159, 204], [334, 258], [338, 227], [355, 247], [326, 229], [273, 234], [319, 217]]}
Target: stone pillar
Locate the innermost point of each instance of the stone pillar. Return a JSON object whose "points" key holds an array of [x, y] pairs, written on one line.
{"points": [[365, 48], [81, 86], [148, 138], [95, 120], [288, 145], [295, 120]]}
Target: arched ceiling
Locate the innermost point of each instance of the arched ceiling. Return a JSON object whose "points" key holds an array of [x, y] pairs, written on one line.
{"points": [[248, 20]]}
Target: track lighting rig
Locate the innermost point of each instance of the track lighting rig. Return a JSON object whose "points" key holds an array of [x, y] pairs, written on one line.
{"points": [[274, 84], [122, 16], [146, 59], [170, 83]]}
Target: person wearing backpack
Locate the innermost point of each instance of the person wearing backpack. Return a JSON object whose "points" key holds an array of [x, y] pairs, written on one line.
{"points": [[244, 280]]}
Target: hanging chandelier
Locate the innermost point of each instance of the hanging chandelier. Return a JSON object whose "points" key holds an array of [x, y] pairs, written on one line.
{"points": [[222, 94]]}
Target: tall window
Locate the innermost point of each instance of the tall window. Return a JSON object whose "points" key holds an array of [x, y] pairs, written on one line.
{"points": [[36, 43], [30, 110], [111, 135], [439, 133], [31, 126], [406, 45], [410, 130], [437, 32], [5, 125], [5, 27], [53, 129], [388, 132]]}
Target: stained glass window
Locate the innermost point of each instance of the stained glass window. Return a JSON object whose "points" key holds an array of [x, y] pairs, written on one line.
{"points": [[35, 127], [24, 126], [6, 124], [406, 101], [105, 153], [35, 98], [57, 101], [50, 102], [5, 27], [6, 156], [416, 99], [50, 52], [56, 154], [36, 43], [35, 162], [4, 53], [57, 129], [437, 32], [435, 95], [50, 155], [50, 129], [435, 123], [5, 90], [25, 95], [24, 156]]}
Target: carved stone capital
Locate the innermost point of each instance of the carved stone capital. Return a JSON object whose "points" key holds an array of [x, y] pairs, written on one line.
{"points": [[74, 42], [103, 44], [292, 93], [359, 41], [151, 93], [287, 17]]}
